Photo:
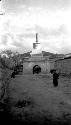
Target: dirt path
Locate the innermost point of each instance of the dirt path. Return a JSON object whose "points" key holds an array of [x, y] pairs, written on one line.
{"points": [[41, 89]]}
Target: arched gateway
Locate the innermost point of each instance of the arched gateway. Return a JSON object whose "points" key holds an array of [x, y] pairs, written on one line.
{"points": [[36, 69]]}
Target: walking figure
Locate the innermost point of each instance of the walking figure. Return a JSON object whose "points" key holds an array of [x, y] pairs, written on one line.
{"points": [[55, 78]]}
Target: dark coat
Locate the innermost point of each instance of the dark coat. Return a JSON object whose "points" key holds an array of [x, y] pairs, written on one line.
{"points": [[55, 76], [55, 79]]}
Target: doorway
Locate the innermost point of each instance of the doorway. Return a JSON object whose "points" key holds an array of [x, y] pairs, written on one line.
{"points": [[36, 69]]}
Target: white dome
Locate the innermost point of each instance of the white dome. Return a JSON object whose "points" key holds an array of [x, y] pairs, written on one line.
{"points": [[37, 50]]}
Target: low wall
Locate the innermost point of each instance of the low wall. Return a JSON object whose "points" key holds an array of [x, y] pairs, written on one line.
{"points": [[28, 67]]}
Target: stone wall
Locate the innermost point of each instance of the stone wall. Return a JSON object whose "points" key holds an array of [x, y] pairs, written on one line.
{"points": [[63, 65], [52, 62], [28, 66]]}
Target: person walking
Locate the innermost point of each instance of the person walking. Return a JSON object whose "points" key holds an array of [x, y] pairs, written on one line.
{"points": [[55, 78]]}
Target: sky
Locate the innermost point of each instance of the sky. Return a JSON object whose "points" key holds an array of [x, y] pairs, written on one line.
{"points": [[51, 19]]}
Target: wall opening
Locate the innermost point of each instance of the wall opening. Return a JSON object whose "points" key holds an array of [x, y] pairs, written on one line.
{"points": [[36, 69]]}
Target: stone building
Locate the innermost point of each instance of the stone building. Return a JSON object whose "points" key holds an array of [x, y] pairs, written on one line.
{"points": [[63, 65], [36, 59]]}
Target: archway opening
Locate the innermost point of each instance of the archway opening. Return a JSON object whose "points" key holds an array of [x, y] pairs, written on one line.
{"points": [[36, 69]]}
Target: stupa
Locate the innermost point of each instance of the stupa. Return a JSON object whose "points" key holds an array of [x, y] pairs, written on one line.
{"points": [[36, 59], [36, 53], [36, 47]]}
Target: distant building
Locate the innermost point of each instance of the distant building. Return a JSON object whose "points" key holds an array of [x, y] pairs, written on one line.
{"points": [[63, 65], [68, 55], [36, 59]]}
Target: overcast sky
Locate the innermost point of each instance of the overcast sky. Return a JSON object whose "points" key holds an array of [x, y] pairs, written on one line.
{"points": [[51, 19]]}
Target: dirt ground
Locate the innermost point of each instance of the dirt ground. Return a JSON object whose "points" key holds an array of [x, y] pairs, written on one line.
{"points": [[46, 100]]}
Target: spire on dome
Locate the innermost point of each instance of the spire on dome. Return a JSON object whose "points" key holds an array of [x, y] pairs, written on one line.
{"points": [[35, 45], [36, 37]]}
